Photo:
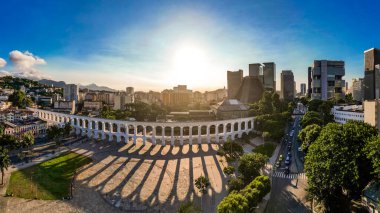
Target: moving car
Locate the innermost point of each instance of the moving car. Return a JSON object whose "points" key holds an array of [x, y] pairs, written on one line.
{"points": [[280, 158]]}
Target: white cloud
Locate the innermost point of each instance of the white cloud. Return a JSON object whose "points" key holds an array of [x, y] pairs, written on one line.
{"points": [[2, 63], [25, 64], [4, 73]]}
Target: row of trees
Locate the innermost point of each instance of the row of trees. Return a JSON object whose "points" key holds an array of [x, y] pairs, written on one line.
{"points": [[10, 143], [139, 111], [20, 100], [246, 199], [56, 133], [272, 115], [341, 160]]}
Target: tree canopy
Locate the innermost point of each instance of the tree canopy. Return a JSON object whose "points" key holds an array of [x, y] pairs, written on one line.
{"points": [[250, 165], [308, 135], [336, 161]]}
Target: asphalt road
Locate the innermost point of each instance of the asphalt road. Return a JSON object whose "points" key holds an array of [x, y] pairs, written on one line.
{"points": [[288, 191]]}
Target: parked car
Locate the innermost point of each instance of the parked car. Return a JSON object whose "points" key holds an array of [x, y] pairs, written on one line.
{"points": [[280, 158], [289, 154], [300, 149], [277, 164]]}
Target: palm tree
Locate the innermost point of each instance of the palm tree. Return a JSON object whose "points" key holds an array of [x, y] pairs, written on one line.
{"points": [[4, 162], [202, 183]]}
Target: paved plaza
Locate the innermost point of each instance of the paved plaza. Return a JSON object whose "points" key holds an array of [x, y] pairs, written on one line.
{"points": [[137, 178]]}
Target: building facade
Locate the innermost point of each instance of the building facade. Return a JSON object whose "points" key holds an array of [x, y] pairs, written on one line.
{"points": [[372, 112], [71, 92], [357, 89], [343, 114], [178, 96], [287, 85], [302, 89], [326, 79], [234, 80], [269, 76], [255, 69], [65, 106], [371, 74]]}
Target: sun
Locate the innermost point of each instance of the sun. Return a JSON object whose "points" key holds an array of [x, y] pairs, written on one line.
{"points": [[190, 65]]}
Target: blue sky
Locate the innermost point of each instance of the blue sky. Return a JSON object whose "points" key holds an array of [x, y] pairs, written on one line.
{"points": [[159, 44]]}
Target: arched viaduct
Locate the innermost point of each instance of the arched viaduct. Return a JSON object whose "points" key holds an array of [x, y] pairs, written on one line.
{"points": [[175, 133]]}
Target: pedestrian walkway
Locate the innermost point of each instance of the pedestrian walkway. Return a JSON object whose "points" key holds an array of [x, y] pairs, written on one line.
{"points": [[289, 176]]}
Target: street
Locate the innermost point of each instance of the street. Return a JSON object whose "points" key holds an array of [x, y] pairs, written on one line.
{"points": [[288, 192]]}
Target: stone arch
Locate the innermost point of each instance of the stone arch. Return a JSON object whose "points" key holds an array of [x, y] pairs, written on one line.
{"points": [[114, 137], [203, 129], [140, 129], [186, 130], [212, 129], [229, 127], [158, 130], [243, 126], [177, 131], [168, 130], [236, 127], [114, 127]]}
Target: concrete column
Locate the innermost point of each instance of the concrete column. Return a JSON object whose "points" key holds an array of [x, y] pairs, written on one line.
{"points": [[208, 134], [239, 129], [144, 135], [118, 133], [246, 125], [134, 134], [154, 135], [172, 137], [199, 134], [89, 129], [83, 127], [126, 133], [77, 127], [181, 135], [163, 136], [225, 132], [190, 135], [110, 136], [217, 133]]}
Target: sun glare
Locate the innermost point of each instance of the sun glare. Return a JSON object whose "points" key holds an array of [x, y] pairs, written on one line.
{"points": [[190, 65]]}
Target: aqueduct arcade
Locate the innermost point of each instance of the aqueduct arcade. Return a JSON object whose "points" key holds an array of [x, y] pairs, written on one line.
{"points": [[173, 133]]}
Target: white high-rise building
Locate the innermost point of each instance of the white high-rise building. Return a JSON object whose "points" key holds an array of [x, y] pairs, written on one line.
{"points": [[71, 92], [358, 89]]}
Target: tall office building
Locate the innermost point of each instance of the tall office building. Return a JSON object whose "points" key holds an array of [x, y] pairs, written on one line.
{"points": [[178, 96], [371, 77], [287, 85], [309, 88], [234, 80], [326, 79], [303, 89], [71, 92], [254, 69], [269, 76], [357, 89]]}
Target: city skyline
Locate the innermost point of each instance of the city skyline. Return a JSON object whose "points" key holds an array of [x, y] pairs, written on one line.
{"points": [[154, 46]]}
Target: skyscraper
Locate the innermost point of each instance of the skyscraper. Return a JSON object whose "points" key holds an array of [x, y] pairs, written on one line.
{"points": [[234, 80], [326, 79], [254, 69], [269, 76], [287, 85], [371, 77], [71, 92], [309, 79], [303, 89], [357, 89]]}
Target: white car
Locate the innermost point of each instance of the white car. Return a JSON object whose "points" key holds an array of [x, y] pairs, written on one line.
{"points": [[300, 149]]}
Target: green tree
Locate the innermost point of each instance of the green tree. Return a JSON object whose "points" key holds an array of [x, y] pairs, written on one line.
{"points": [[336, 161], [250, 165], [19, 99], [372, 150], [308, 135], [189, 207], [202, 183], [235, 184], [232, 149], [229, 170], [4, 162], [234, 203], [311, 117], [67, 129]]}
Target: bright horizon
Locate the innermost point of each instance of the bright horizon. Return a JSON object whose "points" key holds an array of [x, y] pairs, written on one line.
{"points": [[161, 44]]}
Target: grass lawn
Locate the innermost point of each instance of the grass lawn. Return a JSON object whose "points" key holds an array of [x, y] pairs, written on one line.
{"points": [[265, 149], [49, 180]]}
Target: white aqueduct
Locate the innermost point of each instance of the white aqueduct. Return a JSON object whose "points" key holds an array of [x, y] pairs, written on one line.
{"points": [[173, 132]]}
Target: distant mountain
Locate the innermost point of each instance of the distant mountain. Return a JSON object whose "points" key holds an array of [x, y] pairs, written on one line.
{"points": [[52, 82], [62, 84], [96, 88]]}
